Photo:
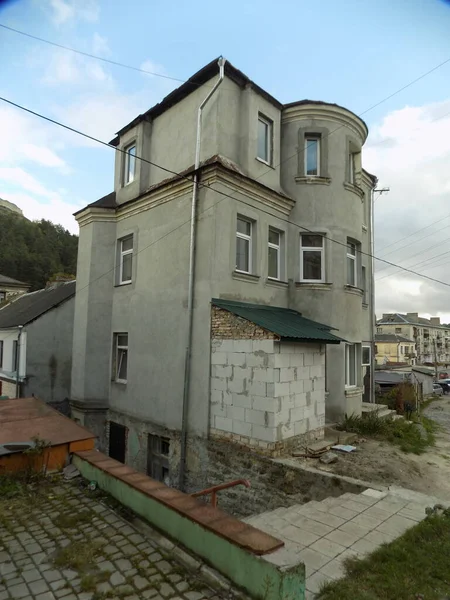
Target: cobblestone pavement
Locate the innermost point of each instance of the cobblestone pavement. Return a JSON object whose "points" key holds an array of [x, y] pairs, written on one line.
{"points": [[61, 543]]}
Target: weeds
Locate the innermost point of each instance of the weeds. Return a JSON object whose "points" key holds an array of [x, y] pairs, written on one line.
{"points": [[411, 436], [78, 556]]}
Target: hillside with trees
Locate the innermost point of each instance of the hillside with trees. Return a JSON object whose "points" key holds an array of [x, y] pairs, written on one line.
{"points": [[35, 251]]}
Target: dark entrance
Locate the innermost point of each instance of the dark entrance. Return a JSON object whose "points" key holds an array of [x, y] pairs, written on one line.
{"points": [[117, 441]]}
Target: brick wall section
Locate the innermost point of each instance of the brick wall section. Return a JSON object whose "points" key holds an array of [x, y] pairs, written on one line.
{"points": [[265, 394], [225, 325]]}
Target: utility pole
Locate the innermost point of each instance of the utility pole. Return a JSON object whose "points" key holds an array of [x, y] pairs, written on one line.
{"points": [[435, 359], [379, 191]]}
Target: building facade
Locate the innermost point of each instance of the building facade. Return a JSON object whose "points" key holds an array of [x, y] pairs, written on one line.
{"points": [[283, 219], [394, 348], [431, 339], [36, 344], [10, 288]]}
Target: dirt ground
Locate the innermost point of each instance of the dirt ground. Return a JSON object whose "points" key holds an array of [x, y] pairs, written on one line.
{"points": [[380, 462]]}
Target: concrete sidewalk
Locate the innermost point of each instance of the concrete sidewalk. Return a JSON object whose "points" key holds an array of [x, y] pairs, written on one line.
{"points": [[323, 534]]}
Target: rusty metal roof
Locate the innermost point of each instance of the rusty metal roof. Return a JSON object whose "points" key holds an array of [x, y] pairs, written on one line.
{"points": [[24, 418]]}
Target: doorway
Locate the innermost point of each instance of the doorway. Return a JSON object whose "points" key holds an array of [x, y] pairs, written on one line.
{"points": [[117, 441]]}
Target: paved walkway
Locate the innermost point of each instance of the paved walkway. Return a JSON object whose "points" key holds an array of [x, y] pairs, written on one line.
{"points": [[323, 534], [65, 544]]}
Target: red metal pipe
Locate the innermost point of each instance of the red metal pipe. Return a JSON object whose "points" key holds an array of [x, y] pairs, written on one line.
{"points": [[217, 488]]}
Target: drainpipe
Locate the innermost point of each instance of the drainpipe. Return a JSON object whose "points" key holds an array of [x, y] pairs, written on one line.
{"points": [[187, 365], [372, 299], [18, 361]]}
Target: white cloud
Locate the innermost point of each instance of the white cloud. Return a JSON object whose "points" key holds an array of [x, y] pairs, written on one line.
{"points": [[152, 67], [56, 210], [100, 45], [63, 67], [68, 11], [414, 163], [22, 179]]}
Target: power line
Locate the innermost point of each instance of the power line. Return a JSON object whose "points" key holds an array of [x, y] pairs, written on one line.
{"points": [[94, 56], [414, 233]]}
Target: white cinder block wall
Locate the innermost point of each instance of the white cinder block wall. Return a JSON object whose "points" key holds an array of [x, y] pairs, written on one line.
{"points": [[266, 392]]}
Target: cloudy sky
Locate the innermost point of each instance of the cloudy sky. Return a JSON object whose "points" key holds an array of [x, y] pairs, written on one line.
{"points": [[353, 53]]}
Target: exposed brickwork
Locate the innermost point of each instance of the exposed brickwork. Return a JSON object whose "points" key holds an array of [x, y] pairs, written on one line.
{"points": [[225, 325]]}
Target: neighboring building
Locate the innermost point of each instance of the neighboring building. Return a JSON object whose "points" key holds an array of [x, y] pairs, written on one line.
{"points": [[431, 339], [36, 334], [421, 377], [394, 348], [283, 220], [10, 287]]}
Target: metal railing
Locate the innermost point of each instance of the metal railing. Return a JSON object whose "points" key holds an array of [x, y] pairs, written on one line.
{"points": [[217, 488]]}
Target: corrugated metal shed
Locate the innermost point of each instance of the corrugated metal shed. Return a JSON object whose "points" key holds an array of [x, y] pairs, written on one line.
{"points": [[288, 324]]}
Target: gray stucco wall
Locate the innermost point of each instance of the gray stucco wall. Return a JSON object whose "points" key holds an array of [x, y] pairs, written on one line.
{"points": [[49, 354]]}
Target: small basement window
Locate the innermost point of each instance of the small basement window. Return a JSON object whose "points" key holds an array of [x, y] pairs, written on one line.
{"points": [[158, 450]]}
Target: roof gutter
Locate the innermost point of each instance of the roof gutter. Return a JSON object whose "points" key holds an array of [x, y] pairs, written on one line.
{"points": [[193, 235]]}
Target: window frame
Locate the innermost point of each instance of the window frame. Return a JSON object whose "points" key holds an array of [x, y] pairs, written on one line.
{"points": [[126, 173], [249, 239], [122, 253], [2, 296], [366, 364], [347, 366], [268, 141], [277, 247], [353, 257], [117, 364], [312, 138], [351, 168], [320, 249], [157, 459], [364, 283], [2, 343], [15, 351]]}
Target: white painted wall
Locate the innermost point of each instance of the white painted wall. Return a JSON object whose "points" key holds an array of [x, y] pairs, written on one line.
{"points": [[8, 336]]}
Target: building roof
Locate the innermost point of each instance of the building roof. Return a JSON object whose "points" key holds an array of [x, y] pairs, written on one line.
{"points": [[4, 280], [392, 337], [401, 319], [201, 77], [29, 307], [286, 323], [108, 201], [21, 419]]}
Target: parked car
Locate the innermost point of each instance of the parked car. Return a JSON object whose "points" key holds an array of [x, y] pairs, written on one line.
{"points": [[438, 389]]}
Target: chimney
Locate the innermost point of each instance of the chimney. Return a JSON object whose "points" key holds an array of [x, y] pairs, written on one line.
{"points": [[385, 316], [59, 280], [435, 320], [412, 317]]}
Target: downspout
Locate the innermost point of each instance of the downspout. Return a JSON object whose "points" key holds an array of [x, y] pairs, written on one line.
{"points": [[187, 365], [18, 362]]}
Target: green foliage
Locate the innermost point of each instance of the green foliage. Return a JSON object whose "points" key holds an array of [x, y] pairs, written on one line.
{"points": [[415, 565], [34, 251], [412, 436]]}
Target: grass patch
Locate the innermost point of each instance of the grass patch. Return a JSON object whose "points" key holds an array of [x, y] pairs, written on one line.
{"points": [[79, 556], [73, 520], [411, 436], [89, 581], [416, 563]]}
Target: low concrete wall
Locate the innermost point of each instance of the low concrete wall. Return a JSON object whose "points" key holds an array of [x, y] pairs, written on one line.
{"points": [[180, 516]]}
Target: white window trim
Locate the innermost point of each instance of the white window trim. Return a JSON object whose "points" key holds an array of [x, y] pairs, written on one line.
{"points": [[353, 257], [352, 169], [126, 179], [122, 254], [347, 368], [276, 247], [370, 355], [249, 238], [309, 139], [269, 125], [322, 259], [116, 364]]}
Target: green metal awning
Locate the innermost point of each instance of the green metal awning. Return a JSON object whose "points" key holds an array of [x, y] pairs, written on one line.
{"points": [[288, 324]]}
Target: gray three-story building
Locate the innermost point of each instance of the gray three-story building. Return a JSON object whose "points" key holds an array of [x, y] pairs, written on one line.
{"points": [[174, 338]]}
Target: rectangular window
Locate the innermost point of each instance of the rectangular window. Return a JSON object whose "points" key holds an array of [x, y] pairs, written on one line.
{"points": [[244, 245], [126, 259], [1, 354], [364, 284], [365, 356], [351, 162], [312, 156], [274, 254], [312, 263], [2, 296], [130, 163], [14, 355], [351, 264], [379, 330], [350, 365], [121, 357], [398, 330], [158, 450], [264, 151]]}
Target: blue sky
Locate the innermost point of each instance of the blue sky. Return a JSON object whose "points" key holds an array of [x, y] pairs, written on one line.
{"points": [[354, 53]]}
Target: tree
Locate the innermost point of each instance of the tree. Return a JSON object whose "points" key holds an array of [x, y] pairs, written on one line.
{"points": [[34, 251]]}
